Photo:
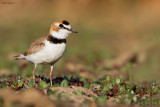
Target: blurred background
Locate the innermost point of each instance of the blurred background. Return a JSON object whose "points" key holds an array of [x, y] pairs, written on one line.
{"points": [[115, 37]]}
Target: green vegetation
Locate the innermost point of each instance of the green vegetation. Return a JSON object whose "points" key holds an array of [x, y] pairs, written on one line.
{"points": [[117, 90], [114, 60]]}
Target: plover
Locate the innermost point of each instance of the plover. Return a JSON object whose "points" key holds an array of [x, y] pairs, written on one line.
{"points": [[48, 49]]}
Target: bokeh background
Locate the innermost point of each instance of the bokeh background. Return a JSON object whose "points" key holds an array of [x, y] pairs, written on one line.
{"points": [[113, 34]]}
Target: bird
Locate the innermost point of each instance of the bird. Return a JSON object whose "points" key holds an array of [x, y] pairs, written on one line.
{"points": [[48, 49]]}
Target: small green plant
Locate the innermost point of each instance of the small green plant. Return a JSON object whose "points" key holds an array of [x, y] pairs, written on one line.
{"points": [[78, 92], [43, 84], [64, 83], [31, 83]]}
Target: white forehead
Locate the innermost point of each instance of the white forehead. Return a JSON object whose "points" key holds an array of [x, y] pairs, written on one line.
{"points": [[66, 26]]}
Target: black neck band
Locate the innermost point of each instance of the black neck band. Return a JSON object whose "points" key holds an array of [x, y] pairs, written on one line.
{"points": [[56, 40]]}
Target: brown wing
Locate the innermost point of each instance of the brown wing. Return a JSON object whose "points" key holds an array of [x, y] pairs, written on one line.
{"points": [[36, 46]]}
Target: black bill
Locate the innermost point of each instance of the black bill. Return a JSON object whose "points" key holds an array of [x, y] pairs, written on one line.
{"points": [[73, 31]]}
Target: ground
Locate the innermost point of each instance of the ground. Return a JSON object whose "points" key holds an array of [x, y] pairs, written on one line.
{"points": [[113, 60]]}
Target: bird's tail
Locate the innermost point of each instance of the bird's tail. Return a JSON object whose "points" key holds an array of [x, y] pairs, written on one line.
{"points": [[20, 56]]}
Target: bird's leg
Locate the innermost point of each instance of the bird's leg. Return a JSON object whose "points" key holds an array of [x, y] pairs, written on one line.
{"points": [[50, 75], [34, 78]]}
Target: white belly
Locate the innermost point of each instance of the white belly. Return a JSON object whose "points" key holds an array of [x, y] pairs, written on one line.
{"points": [[49, 54]]}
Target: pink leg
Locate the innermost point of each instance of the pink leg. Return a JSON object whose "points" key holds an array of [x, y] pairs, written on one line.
{"points": [[34, 78], [50, 75]]}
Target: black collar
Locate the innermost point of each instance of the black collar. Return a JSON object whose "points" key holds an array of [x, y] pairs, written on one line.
{"points": [[56, 40]]}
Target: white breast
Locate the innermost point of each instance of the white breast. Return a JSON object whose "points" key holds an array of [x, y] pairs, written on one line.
{"points": [[49, 54]]}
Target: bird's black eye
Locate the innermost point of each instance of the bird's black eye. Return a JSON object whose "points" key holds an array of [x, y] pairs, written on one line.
{"points": [[60, 25]]}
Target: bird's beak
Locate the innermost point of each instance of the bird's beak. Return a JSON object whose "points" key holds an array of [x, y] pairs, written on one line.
{"points": [[73, 31]]}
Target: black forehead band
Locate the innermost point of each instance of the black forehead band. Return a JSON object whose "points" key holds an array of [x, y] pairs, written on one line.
{"points": [[65, 22]]}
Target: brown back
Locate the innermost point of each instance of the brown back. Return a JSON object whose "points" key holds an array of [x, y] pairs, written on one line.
{"points": [[36, 46]]}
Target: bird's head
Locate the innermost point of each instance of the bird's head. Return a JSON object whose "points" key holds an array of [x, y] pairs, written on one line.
{"points": [[61, 29]]}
